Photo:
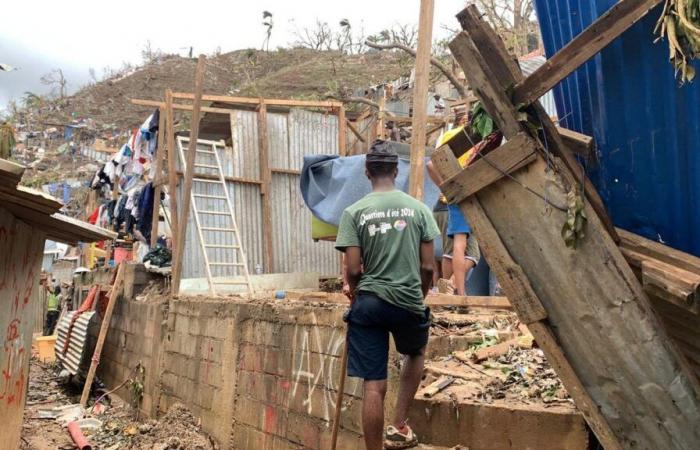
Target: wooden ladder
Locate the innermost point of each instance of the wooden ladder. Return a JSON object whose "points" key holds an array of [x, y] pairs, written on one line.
{"points": [[214, 218]]}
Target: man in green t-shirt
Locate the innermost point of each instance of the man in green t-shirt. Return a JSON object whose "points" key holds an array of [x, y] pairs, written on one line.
{"points": [[387, 237]]}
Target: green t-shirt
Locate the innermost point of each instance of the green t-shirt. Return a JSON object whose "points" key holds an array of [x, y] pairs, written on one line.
{"points": [[389, 227]]}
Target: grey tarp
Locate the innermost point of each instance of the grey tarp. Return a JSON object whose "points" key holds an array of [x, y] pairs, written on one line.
{"points": [[329, 184]]}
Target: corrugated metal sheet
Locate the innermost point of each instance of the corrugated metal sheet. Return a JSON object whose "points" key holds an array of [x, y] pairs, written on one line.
{"points": [[547, 100], [647, 129], [290, 137], [77, 356]]}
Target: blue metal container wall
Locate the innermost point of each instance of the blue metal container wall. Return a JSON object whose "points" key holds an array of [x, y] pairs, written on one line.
{"points": [[647, 128]]}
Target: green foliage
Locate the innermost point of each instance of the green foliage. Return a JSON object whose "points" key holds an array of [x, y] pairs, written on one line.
{"points": [[482, 123]]}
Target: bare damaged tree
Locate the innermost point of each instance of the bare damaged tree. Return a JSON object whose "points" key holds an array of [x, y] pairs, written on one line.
{"points": [[57, 81], [318, 37], [437, 64], [406, 34], [268, 24], [514, 21]]}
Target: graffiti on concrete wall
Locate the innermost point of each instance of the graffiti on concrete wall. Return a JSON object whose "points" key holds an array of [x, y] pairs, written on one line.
{"points": [[20, 262], [316, 370]]}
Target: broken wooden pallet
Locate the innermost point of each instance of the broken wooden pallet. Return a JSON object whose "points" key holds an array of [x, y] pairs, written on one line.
{"points": [[584, 306]]}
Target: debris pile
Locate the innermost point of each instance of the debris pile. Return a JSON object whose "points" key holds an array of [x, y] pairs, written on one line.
{"points": [[113, 425], [489, 358]]}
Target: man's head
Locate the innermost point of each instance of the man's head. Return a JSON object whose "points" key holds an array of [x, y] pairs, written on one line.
{"points": [[382, 162]]}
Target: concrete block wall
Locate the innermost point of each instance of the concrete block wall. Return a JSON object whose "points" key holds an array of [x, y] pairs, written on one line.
{"points": [[135, 336], [264, 376]]}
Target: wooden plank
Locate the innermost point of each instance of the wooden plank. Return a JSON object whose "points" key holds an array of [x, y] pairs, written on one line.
{"points": [[158, 176], [505, 71], [187, 188], [509, 157], [580, 144], [285, 171], [172, 167], [599, 313], [583, 47], [256, 101], [659, 251], [178, 106], [208, 176], [416, 183], [355, 131], [508, 273], [342, 132], [265, 187], [117, 287], [481, 77]]}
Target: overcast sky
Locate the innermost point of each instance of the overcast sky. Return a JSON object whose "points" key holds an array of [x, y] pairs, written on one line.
{"points": [[37, 36]]}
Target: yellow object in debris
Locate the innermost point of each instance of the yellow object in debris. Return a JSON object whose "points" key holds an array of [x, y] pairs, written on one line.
{"points": [[45, 347]]}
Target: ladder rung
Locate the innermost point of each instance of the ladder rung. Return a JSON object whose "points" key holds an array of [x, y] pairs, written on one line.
{"points": [[229, 282], [218, 213], [206, 180], [210, 196], [216, 229], [222, 246], [205, 151], [225, 264], [208, 166]]}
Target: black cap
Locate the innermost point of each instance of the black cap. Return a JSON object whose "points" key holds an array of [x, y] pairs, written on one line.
{"points": [[382, 151]]}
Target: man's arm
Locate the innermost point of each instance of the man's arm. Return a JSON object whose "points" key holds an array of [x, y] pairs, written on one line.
{"points": [[426, 265], [434, 174], [353, 271]]}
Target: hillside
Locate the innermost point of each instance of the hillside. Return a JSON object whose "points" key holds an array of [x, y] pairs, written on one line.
{"points": [[283, 73]]}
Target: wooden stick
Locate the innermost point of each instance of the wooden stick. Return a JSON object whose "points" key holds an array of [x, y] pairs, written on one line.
{"points": [[187, 189], [157, 178], [265, 187], [355, 131], [436, 386], [116, 290], [339, 397], [342, 132], [420, 98], [172, 167]]}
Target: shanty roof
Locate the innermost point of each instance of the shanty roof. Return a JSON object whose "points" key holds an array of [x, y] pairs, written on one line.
{"points": [[41, 210]]}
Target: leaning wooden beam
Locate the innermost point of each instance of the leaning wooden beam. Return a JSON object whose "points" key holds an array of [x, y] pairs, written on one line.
{"points": [[342, 131], [117, 287], [265, 187], [605, 341], [187, 188], [420, 99], [504, 71], [582, 48], [355, 131]]}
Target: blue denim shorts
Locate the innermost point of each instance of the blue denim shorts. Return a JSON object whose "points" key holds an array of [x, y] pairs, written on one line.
{"points": [[456, 222], [370, 321]]}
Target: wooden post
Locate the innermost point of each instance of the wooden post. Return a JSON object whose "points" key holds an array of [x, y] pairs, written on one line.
{"points": [[189, 173], [342, 132], [116, 290], [420, 98], [157, 178], [379, 125], [265, 187], [172, 167]]}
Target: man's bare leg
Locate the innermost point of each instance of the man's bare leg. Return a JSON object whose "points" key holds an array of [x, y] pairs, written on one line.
{"points": [[459, 265], [373, 413], [411, 374]]}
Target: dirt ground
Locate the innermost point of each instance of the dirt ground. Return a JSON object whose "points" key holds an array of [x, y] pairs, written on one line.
{"points": [[121, 427]]}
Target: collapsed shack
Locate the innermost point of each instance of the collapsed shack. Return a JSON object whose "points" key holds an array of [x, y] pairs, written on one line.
{"points": [[27, 218], [618, 363]]}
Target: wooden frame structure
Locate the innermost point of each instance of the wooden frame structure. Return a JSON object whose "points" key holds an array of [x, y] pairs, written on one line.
{"points": [[264, 179], [584, 306]]}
